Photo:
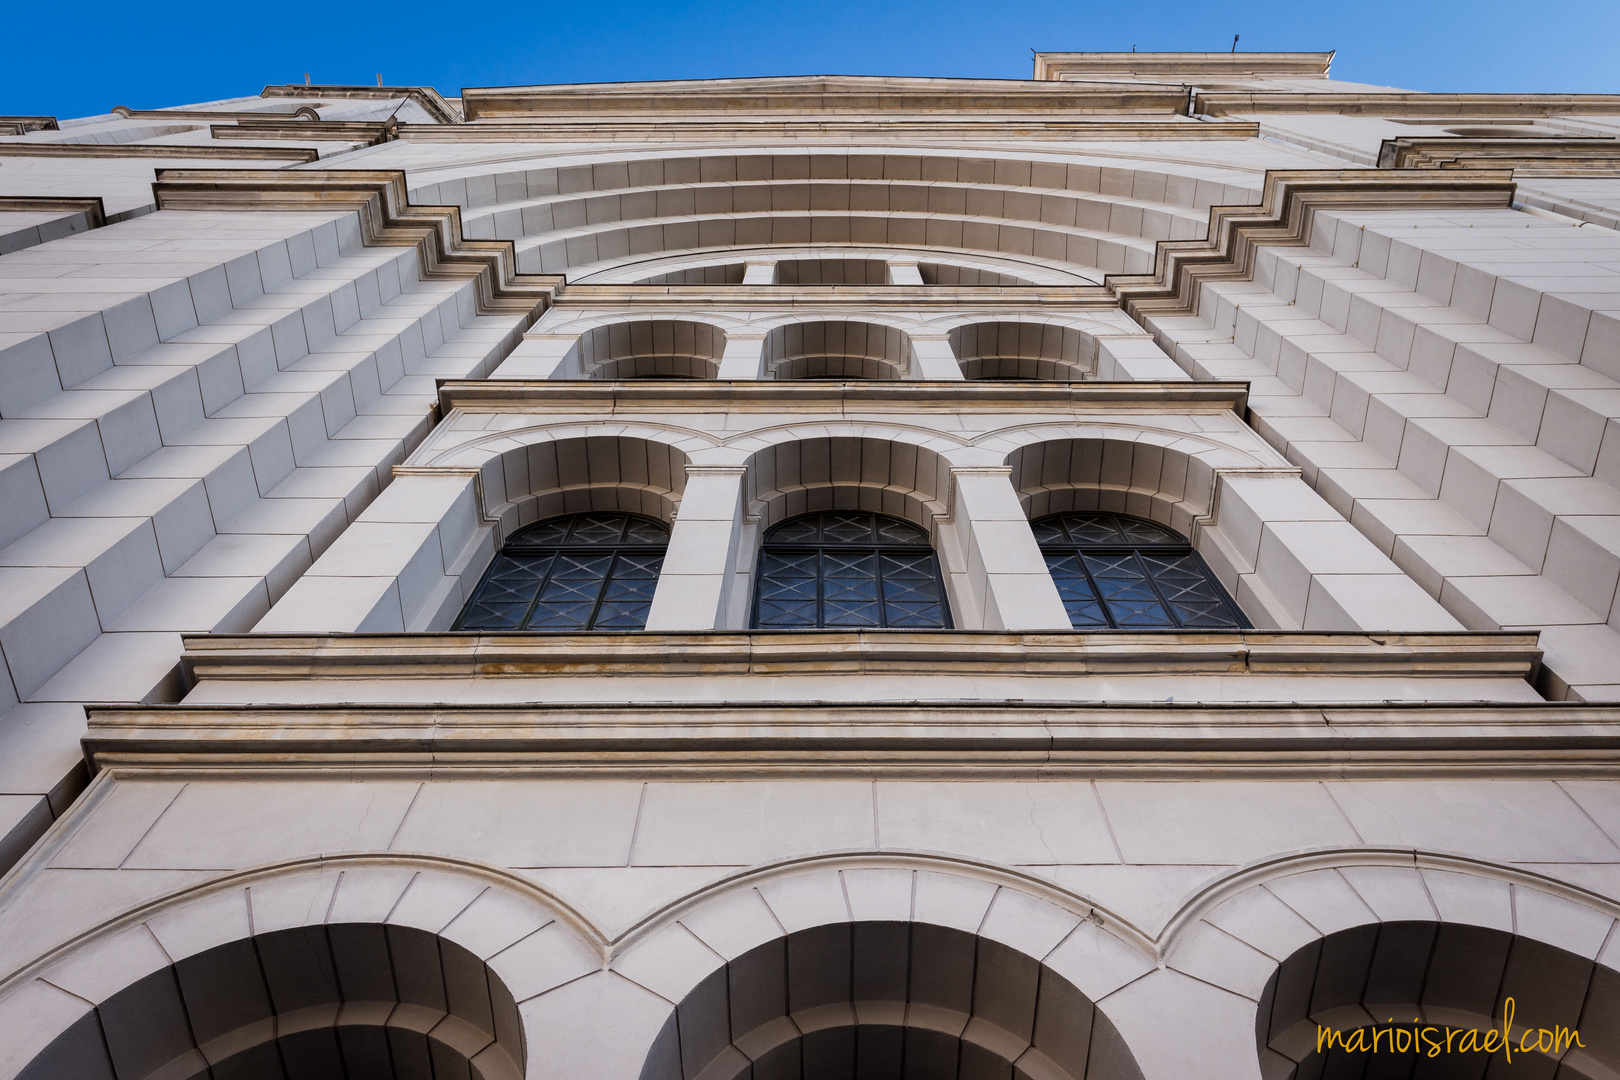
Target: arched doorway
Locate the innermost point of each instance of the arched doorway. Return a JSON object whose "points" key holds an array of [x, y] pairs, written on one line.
{"points": [[886, 1001], [347, 1001]]}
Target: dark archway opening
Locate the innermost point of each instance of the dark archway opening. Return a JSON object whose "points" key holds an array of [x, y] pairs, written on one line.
{"points": [[886, 1001], [351, 1001]]}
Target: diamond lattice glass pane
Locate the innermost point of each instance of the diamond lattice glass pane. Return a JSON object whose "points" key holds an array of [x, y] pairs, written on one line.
{"points": [[1074, 588], [890, 531], [805, 530], [1092, 528], [547, 533], [1049, 531], [642, 531], [571, 592], [839, 528], [482, 615], [911, 591], [629, 593], [598, 528], [787, 589], [1125, 590], [849, 589], [1195, 599], [1138, 531]]}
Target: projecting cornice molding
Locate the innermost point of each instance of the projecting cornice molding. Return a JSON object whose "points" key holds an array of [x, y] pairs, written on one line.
{"points": [[95, 214], [1182, 67], [1288, 204], [842, 128], [816, 95], [1486, 654], [386, 219], [167, 151], [22, 125], [1401, 103], [425, 96], [597, 396], [1595, 156]]}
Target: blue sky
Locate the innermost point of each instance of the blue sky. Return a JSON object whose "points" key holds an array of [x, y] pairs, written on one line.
{"points": [[86, 58]]}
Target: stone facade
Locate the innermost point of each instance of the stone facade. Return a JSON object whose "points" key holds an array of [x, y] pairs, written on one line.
{"points": [[287, 380]]}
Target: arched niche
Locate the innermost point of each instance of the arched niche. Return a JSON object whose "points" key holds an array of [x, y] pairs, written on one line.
{"points": [[1143, 478], [832, 271], [649, 349], [553, 477], [887, 1000], [730, 273], [342, 1000], [1024, 350], [800, 476], [1412, 983], [837, 350], [943, 273]]}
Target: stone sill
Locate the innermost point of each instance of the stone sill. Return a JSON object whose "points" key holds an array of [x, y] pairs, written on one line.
{"points": [[961, 741], [551, 395], [270, 657]]}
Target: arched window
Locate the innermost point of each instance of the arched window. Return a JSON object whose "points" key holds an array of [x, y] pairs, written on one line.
{"points": [[582, 572], [1126, 573], [848, 569]]}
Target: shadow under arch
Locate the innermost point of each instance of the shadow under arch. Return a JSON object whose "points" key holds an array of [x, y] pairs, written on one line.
{"points": [[336, 1000], [337, 975], [578, 474], [886, 999], [837, 349], [799, 476], [1140, 477], [1435, 999], [1008, 349], [648, 349]]}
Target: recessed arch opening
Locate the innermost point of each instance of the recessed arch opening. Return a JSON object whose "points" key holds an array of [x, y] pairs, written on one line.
{"points": [[649, 349], [1410, 983], [846, 271], [837, 350], [730, 273], [342, 1000], [1024, 350], [887, 1001]]}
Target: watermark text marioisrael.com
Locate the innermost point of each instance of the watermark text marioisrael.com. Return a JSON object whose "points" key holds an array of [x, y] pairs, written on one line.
{"points": [[1434, 1041]]}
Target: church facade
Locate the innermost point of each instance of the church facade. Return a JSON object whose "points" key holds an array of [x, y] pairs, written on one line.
{"points": [[1109, 575]]}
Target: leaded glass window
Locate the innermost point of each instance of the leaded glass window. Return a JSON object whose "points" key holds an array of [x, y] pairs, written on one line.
{"points": [[1125, 573], [846, 569], [582, 572]]}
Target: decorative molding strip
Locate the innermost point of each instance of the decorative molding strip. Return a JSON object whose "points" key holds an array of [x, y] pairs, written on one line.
{"points": [[425, 96], [22, 125], [1397, 103], [1182, 67], [771, 297], [167, 151], [841, 129], [1591, 156], [306, 112], [1288, 204], [90, 206], [386, 219], [365, 132], [1048, 653], [615, 398], [814, 96]]}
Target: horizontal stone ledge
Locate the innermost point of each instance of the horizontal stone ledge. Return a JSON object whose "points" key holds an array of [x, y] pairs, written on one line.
{"points": [[799, 296], [549, 395], [258, 657], [263, 742]]}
